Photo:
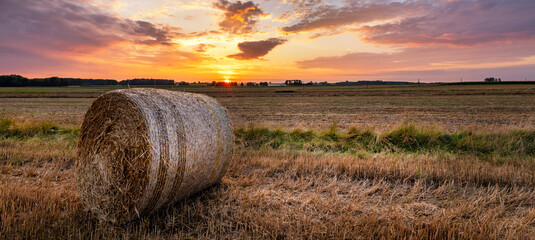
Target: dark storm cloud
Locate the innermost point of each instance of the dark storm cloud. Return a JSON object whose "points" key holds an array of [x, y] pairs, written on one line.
{"points": [[239, 17], [256, 49]]}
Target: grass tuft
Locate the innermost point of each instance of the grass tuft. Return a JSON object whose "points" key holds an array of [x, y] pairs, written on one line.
{"points": [[406, 138], [10, 128]]}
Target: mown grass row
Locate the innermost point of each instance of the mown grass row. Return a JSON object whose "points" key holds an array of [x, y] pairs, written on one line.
{"points": [[406, 138]]}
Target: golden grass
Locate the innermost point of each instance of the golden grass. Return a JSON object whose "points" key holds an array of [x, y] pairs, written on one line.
{"points": [[296, 193], [272, 194]]}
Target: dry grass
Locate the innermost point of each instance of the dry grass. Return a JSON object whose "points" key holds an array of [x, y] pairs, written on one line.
{"points": [[450, 107], [277, 195], [299, 191]]}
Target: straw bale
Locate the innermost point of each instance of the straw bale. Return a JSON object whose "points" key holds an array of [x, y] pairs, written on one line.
{"points": [[140, 150]]}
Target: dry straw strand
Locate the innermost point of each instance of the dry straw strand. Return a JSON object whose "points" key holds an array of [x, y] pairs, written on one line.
{"points": [[144, 149]]}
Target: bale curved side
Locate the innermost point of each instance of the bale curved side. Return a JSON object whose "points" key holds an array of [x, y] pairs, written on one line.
{"points": [[144, 149]]}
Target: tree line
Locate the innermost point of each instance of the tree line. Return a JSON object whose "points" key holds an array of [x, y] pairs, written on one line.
{"points": [[14, 80]]}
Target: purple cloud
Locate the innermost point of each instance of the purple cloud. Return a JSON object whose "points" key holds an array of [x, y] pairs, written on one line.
{"points": [[256, 49], [426, 57], [53, 37], [327, 17], [299, 4], [60, 25], [463, 22], [421, 22]]}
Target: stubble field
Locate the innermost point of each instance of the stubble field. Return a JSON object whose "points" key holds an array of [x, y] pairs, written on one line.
{"points": [[310, 162]]}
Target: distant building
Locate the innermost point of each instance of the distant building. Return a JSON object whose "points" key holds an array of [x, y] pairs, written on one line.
{"points": [[293, 82], [491, 79]]}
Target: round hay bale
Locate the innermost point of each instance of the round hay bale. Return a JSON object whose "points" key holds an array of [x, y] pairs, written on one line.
{"points": [[143, 149]]}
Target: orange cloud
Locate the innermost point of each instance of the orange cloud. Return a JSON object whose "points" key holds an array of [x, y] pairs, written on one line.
{"points": [[201, 48], [238, 17]]}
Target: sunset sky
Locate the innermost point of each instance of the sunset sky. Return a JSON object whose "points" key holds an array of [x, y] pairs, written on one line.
{"points": [[269, 40]]}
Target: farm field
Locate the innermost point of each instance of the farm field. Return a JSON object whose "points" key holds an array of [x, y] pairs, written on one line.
{"points": [[318, 107], [407, 161]]}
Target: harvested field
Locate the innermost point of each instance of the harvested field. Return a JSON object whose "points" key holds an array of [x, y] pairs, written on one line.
{"points": [[452, 107], [424, 165]]}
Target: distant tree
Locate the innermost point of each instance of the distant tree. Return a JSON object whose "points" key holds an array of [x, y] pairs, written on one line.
{"points": [[49, 82], [13, 81], [56, 82], [19, 81], [81, 81], [225, 84], [147, 81], [263, 84]]}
